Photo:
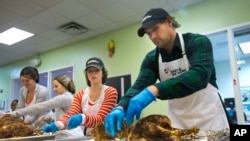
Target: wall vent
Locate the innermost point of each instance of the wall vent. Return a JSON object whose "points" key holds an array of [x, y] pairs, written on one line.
{"points": [[73, 28]]}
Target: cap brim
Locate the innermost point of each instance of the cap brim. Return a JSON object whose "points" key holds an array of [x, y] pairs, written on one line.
{"points": [[96, 66], [141, 30]]}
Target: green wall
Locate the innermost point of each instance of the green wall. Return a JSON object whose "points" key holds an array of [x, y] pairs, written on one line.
{"points": [[130, 49]]}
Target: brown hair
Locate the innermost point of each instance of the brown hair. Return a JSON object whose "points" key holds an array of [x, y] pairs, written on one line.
{"points": [[31, 73], [67, 82], [175, 23]]}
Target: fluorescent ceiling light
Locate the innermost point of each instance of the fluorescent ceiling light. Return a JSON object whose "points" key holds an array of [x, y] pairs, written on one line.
{"points": [[14, 35], [245, 47]]}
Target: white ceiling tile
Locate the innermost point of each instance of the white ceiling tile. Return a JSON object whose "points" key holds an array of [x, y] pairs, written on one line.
{"points": [[22, 49], [50, 18], [41, 44], [76, 9], [97, 4], [47, 3], [24, 8], [93, 20], [70, 40], [110, 12], [56, 35], [145, 5], [87, 35], [106, 28], [128, 21], [33, 26], [10, 19]]}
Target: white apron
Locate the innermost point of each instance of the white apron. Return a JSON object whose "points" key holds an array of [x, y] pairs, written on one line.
{"points": [[202, 109], [91, 110]]}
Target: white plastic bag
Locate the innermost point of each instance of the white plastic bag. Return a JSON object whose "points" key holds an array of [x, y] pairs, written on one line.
{"points": [[72, 133]]}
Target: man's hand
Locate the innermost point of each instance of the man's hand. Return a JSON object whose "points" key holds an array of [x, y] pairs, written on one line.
{"points": [[137, 104], [113, 121]]}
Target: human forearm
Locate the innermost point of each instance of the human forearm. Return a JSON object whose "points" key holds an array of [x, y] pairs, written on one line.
{"points": [[28, 119], [74, 109]]}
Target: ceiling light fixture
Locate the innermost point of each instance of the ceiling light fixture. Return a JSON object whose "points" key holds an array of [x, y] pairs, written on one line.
{"points": [[14, 35], [245, 47]]}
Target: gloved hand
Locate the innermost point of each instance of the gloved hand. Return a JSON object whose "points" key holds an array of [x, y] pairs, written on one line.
{"points": [[137, 103], [50, 128], [116, 116], [74, 121]]}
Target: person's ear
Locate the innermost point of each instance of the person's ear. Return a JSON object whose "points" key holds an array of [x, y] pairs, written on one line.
{"points": [[169, 21]]}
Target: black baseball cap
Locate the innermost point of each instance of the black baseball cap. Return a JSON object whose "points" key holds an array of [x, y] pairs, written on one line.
{"points": [[94, 62], [151, 18]]}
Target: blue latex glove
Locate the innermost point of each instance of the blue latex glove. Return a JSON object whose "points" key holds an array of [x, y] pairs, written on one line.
{"points": [[74, 121], [50, 128], [137, 103], [113, 121]]}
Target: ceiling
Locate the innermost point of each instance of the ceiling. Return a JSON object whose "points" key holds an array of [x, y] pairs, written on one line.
{"points": [[43, 17]]}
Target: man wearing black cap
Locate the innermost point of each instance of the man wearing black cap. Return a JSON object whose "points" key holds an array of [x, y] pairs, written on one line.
{"points": [[184, 65]]}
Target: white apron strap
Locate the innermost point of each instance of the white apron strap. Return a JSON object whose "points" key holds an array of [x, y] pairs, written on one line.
{"points": [[183, 51]]}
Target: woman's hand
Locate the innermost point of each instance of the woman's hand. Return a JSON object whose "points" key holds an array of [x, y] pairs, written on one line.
{"points": [[50, 128], [27, 122]]}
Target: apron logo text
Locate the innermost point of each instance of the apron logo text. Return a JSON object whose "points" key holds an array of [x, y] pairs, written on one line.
{"points": [[174, 72]]}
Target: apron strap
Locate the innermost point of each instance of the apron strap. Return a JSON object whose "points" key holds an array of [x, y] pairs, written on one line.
{"points": [[183, 51]]}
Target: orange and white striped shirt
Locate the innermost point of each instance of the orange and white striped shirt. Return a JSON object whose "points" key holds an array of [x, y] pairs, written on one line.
{"points": [[110, 96]]}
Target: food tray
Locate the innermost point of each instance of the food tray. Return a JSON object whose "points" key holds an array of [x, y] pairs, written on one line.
{"points": [[208, 135], [73, 139], [31, 138]]}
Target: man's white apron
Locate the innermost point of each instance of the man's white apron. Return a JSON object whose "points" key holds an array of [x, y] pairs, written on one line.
{"points": [[202, 109]]}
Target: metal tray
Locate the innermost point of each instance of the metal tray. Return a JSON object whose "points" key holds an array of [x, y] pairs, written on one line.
{"points": [[31, 138], [209, 135], [72, 139]]}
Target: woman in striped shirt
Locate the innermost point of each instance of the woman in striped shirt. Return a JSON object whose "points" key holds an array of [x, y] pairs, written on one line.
{"points": [[90, 105]]}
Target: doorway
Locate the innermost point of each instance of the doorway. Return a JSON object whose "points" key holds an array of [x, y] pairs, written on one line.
{"points": [[232, 67]]}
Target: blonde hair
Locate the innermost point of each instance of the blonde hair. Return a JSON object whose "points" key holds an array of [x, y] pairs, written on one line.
{"points": [[67, 82]]}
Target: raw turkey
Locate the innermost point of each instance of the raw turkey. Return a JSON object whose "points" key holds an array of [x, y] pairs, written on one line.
{"points": [[157, 128], [150, 128], [13, 127]]}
